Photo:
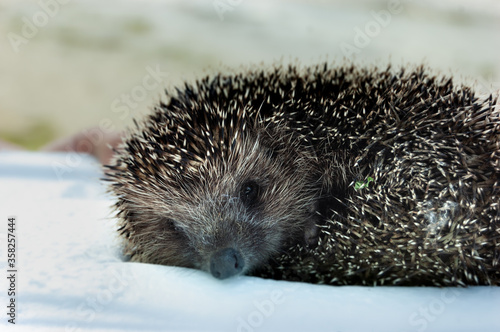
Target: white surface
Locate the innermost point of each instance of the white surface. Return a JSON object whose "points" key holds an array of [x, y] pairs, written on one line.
{"points": [[72, 279]]}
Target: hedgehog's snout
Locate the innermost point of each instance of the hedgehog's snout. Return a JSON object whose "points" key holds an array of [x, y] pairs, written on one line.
{"points": [[226, 263]]}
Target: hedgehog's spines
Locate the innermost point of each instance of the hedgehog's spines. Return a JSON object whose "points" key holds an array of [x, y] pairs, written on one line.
{"points": [[429, 216]]}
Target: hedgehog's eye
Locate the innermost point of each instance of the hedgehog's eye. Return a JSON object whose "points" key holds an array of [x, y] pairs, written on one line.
{"points": [[249, 193]]}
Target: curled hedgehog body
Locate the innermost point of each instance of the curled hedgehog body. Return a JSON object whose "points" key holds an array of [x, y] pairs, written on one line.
{"points": [[337, 175]]}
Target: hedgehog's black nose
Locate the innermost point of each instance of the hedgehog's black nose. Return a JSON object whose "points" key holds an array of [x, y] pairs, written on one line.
{"points": [[226, 263]]}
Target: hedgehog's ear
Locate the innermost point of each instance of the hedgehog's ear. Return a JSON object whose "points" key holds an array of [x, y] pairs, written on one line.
{"points": [[311, 229], [311, 232]]}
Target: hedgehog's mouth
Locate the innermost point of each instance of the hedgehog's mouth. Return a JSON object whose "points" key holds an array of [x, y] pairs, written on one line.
{"points": [[226, 263]]}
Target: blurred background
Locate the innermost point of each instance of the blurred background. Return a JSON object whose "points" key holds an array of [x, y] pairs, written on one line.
{"points": [[66, 65]]}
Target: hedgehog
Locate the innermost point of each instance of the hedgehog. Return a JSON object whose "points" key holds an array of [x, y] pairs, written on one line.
{"points": [[333, 174]]}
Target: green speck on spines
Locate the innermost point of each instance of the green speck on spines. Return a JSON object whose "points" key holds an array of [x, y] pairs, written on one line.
{"points": [[360, 184]]}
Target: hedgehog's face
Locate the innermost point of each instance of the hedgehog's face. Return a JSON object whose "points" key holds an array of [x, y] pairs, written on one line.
{"points": [[226, 215], [231, 213]]}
